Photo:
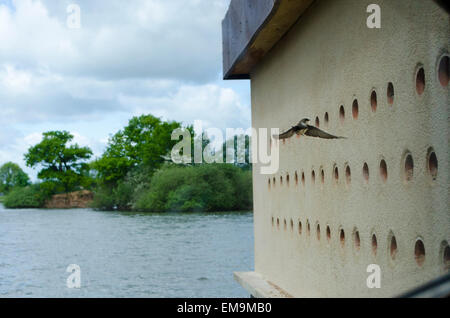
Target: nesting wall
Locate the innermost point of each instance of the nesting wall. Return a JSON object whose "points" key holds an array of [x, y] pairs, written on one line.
{"points": [[382, 195]]}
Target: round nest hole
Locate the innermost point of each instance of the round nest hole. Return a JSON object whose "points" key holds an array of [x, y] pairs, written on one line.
{"points": [[393, 247], [348, 174], [420, 81], [342, 237], [374, 244], [357, 240], [409, 167], [373, 101], [336, 174], [444, 71], [446, 258], [342, 113], [355, 109], [383, 171], [390, 93], [366, 172], [419, 252], [432, 163]]}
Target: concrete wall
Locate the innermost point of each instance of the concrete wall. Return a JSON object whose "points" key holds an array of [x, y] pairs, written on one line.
{"points": [[329, 59]]}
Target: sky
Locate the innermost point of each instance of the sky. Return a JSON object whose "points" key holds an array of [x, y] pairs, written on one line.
{"points": [[127, 58]]}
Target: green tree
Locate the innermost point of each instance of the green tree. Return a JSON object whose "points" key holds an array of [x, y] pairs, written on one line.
{"points": [[199, 188], [143, 142], [33, 196], [12, 176], [64, 166]]}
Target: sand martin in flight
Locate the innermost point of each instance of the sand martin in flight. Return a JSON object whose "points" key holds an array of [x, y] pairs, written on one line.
{"points": [[302, 128]]}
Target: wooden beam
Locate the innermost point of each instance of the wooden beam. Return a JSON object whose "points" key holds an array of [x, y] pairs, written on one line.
{"points": [[251, 28]]}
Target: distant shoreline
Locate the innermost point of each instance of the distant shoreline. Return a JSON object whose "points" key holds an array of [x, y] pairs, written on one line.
{"points": [[131, 212]]}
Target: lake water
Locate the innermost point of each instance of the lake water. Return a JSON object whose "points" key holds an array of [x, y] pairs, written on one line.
{"points": [[123, 254]]}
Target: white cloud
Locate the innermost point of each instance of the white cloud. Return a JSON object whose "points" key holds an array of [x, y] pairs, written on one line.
{"points": [[33, 139], [14, 80], [215, 106], [96, 145], [174, 39], [129, 58]]}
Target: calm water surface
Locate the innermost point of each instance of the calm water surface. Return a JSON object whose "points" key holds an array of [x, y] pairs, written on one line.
{"points": [[123, 254]]}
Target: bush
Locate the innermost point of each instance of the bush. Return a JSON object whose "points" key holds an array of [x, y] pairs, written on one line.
{"points": [[203, 188], [103, 199], [33, 196], [108, 197]]}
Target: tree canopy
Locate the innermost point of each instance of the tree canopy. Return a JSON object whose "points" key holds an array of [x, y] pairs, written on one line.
{"points": [[63, 165], [142, 142], [199, 188], [12, 176]]}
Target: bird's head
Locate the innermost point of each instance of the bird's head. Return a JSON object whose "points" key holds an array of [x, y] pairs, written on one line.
{"points": [[304, 122]]}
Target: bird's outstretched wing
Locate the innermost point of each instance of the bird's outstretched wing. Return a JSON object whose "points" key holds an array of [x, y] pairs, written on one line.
{"points": [[316, 132], [285, 135]]}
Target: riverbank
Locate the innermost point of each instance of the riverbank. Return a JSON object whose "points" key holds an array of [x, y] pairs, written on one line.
{"points": [[35, 197], [74, 200]]}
